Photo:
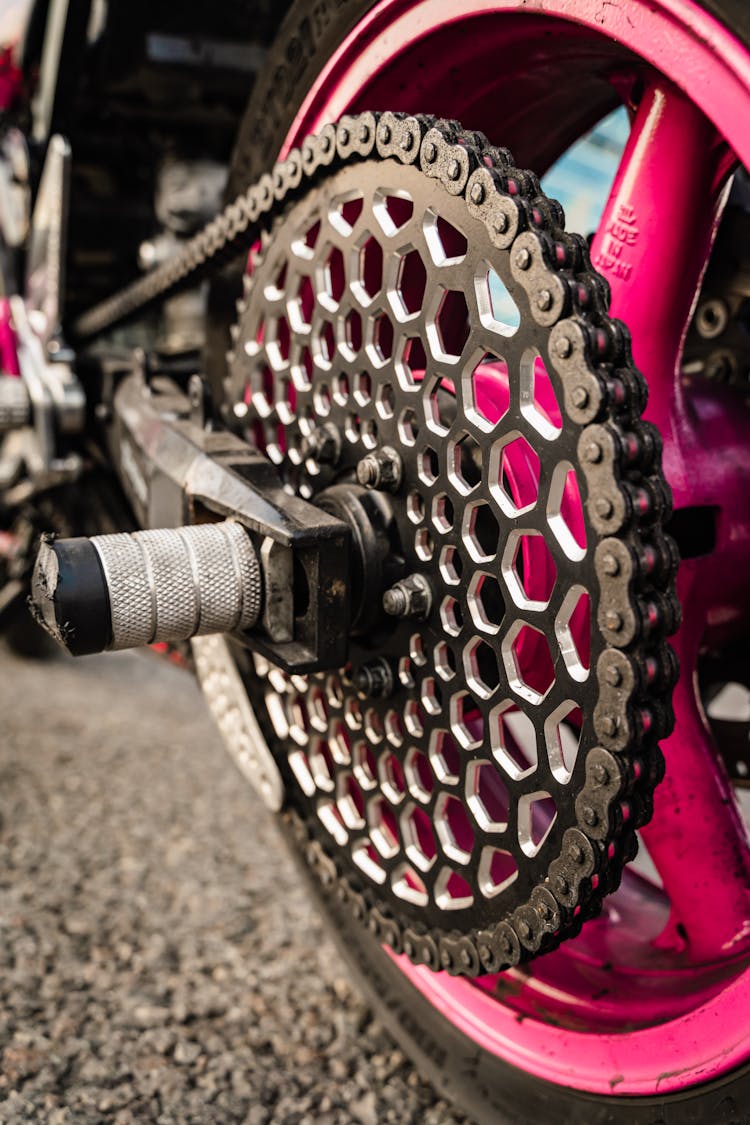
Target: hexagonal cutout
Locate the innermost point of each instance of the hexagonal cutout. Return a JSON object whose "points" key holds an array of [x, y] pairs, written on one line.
{"points": [[367, 269], [573, 632], [497, 871], [487, 796], [262, 390], [429, 466], [408, 426], [562, 734], [304, 245], [380, 340], [537, 813], [393, 210], [446, 243], [332, 279], [498, 312], [453, 828], [565, 511], [451, 616], [439, 397], [364, 766], [330, 817], [300, 307], [528, 662], [431, 696], [414, 718], [302, 369], [394, 729], [513, 740], [445, 757], [407, 885], [339, 743], [418, 837], [528, 569], [321, 765], [352, 334], [350, 801], [410, 284], [445, 661], [467, 721], [539, 403], [451, 566], [385, 400], [324, 347], [411, 363], [300, 767], [448, 326], [452, 892], [277, 342], [443, 513], [424, 544], [487, 391], [420, 779], [368, 861], [480, 664], [480, 531], [415, 506], [383, 827], [514, 471], [486, 602], [465, 463], [391, 777], [344, 212], [374, 729]]}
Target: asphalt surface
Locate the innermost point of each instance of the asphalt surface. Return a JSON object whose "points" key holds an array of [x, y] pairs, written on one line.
{"points": [[159, 960]]}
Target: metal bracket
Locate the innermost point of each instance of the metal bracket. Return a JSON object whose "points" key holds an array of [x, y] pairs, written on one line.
{"points": [[175, 472]]}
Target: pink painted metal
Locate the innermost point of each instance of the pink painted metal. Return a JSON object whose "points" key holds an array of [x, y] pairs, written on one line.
{"points": [[655, 994], [8, 343]]}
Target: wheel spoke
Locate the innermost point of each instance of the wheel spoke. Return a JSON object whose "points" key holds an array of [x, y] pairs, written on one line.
{"points": [[696, 838], [653, 243]]}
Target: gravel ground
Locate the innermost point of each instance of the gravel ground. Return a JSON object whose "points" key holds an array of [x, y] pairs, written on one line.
{"points": [[155, 934]]}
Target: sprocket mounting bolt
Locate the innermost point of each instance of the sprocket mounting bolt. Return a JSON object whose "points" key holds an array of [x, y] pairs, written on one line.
{"points": [[382, 469], [411, 597], [323, 445], [374, 679]]}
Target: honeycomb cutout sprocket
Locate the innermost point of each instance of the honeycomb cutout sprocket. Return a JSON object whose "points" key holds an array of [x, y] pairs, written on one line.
{"points": [[482, 795]]}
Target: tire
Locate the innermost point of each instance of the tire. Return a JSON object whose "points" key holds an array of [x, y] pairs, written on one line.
{"points": [[483, 1084]]}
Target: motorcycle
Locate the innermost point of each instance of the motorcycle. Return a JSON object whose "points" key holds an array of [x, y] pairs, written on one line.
{"points": [[304, 380]]}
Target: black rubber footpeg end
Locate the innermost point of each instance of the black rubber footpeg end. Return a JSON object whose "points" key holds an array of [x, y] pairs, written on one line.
{"points": [[69, 595]]}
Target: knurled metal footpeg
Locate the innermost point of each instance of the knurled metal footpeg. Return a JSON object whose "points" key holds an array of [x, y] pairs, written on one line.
{"points": [[166, 585]]}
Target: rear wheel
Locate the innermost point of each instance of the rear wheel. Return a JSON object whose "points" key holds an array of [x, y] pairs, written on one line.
{"points": [[652, 1001]]}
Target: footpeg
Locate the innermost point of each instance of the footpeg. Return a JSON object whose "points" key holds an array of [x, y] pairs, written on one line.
{"points": [[122, 591]]}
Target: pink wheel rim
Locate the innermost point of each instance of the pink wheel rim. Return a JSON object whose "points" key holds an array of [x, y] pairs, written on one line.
{"points": [[654, 997]]}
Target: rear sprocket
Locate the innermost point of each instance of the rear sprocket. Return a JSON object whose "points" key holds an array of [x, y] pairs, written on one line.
{"points": [[473, 779]]}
